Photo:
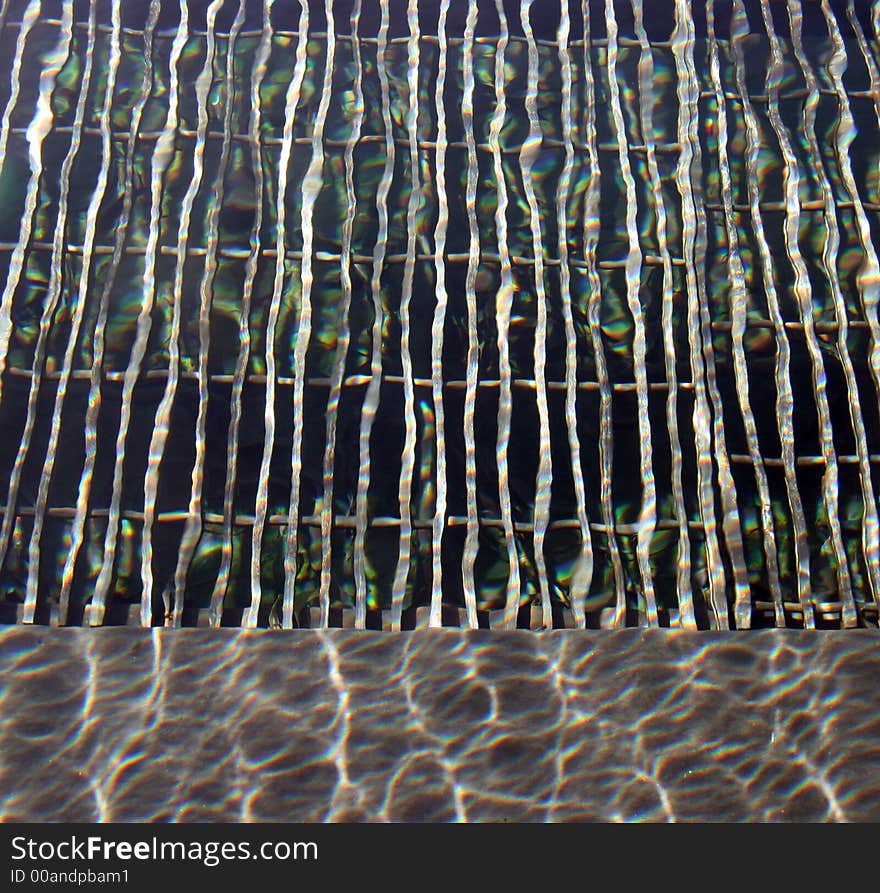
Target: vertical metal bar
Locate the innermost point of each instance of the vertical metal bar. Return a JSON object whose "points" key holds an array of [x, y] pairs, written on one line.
{"points": [[868, 281], [527, 156], [592, 202], [38, 129], [471, 545], [344, 335], [94, 398], [193, 527], [738, 307], [730, 520], [53, 294], [291, 101], [684, 594], [442, 299], [503, 306], [583, 572], [163, 155], [686, 176], [648, 513], [371, 400], [29, 19], [784, 396], [255, 141], [867, 55], [311, 189], [4, 11], [79, 306], [803, 293], [162, 424], [407, 459]]}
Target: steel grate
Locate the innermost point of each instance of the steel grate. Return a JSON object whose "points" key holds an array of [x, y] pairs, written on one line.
{"points": [[401, 314]]}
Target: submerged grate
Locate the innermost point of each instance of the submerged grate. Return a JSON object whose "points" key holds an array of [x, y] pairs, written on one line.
{"points": [[440, 313]]}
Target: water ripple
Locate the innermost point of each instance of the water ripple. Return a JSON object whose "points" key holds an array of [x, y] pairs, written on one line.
{"points": [[438, 726]]}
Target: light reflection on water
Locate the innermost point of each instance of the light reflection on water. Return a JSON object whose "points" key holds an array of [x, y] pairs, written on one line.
{"points": [[438, 726]]}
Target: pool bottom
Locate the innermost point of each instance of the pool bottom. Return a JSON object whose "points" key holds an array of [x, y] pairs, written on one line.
{"points": [[125, 724]]}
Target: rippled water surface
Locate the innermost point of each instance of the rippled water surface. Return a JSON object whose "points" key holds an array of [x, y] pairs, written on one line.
{"points": [[410, 314], [206, 725], [478, 313]]}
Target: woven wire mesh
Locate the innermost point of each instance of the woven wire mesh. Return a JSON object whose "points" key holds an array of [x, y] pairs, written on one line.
{"points": [[440, 313]]}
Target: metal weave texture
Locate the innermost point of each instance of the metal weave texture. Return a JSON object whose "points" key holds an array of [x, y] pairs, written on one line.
{"points": [[478, 313]]}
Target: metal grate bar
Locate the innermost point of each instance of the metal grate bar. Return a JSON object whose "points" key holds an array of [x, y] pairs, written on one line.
{"points": [[528, 155], [100, 330], [344, 336], [583, 573], [348, 522], [159, 438], [471, 543], [218, 596], [633, 282], [36, 135], [162, 158], [330, 257], [592, 203], [30, 17], [684, 595], [312, 185], [52, 297], [802, 290], [738, 326], [701, 361], [517, 260], [66, 372], [644, 327], [870, 520], [660, 147], [869, 280], [168, 34], [503, 306], [830, 248], [782, 367], [371, 400], [451, 384], [407, 463], [193, 529], [291, 102]]}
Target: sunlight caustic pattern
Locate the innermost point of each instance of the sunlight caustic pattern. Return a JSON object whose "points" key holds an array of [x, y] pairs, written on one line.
{"points": [[476, 314]]}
